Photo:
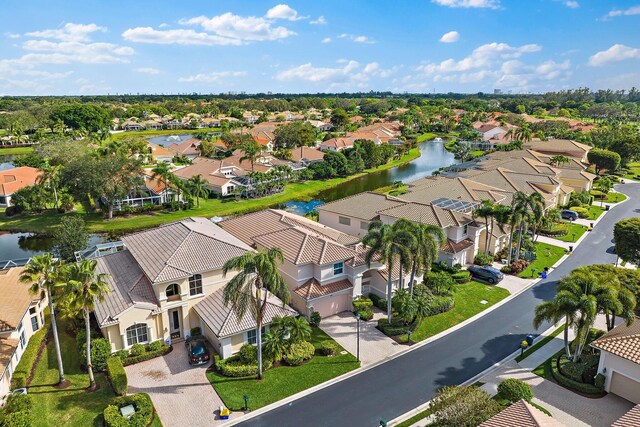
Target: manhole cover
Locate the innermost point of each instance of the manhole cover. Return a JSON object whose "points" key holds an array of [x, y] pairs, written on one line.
{"points": [[343, 352], [484, 301]]}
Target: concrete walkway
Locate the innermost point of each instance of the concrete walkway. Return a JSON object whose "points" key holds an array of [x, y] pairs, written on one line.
{"points": [[556, 242], [181, 393], [374, 345]]}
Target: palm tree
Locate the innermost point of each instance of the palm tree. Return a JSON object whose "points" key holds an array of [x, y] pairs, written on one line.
{"points": [[84, 287], [429, 239], [44, 274], [536, 207], [249, 289], [516, 218], [387, 244], [554, 310], [251, 151], [163, 171], [51, 176], [197, 188], [403, 225], [486, 210]]}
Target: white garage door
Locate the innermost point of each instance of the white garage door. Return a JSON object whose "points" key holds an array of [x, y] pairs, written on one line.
{"points": [[333, 304], [625, 387]]}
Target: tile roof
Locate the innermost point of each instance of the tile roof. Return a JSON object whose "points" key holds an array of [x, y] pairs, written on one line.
{"points": [[338, 142], [159, 150], [128, 286], [313, 289], [363, 205], [183, 248], [186, 147], [8, 346], [223, 320], [12, 180], [307, 153], [630, 419], [428, 189], [427, 214], [623, 341], [454, 247], [521, 414], [560, 146], [15, 300]]}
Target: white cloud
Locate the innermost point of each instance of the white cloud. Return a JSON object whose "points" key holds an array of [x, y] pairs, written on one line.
{"points": [[320, 21], [164, 25], [178, 36], [490, 4], [616, 53], [450, 37], [211, 77], [356, 39], [326, 40], [237, 27], [12, 35], [349, 75], [283, 11], [70, 32], [572, 4], [634, 10], [147, 70]]}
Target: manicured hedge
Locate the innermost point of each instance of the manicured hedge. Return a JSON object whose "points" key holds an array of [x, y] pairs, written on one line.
{"points": [[142, 417], [514, 389], [17, 411], [100, 352], [299, 352], [118, 375], [328, 348], [236, 367], [396, 327], [379, 302], [461, 277], [27, 362], [151, 351], [574, 385]]}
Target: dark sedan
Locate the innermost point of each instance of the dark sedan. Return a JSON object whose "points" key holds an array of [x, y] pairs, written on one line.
{"points": [[198, 352], [487, 273]]}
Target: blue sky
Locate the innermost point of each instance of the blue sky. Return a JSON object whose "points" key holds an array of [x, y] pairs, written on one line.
{"points": [[97, 47]]}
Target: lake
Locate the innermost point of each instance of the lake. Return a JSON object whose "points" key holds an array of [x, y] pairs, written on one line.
{"points": [[165, 140], [19, 246], [6, 162]]}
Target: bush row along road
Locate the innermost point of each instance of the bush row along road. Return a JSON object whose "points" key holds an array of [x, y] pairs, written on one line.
{"points": [[393, 388]]}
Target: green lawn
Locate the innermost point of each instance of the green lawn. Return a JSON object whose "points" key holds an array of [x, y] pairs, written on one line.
{"points": [[539, 344], [283, 381], [425, 137], [547, 256], [152, 133], [634, 170], [615, 197], [12, 151], [575, 231], [477, 153], [72, 406], [594, 212], [417, 417], [467, 304], [43, 222]]}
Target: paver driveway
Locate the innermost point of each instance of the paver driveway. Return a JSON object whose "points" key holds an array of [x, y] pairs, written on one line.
{"points": [[180, 392], [374, 345]]}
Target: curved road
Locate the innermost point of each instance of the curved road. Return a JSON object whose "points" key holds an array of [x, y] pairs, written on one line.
{"points": [[395, 387]]}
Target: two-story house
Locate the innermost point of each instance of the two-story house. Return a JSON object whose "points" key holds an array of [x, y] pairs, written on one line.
{"points": [[169, 280], [21, 315], [354, 214], [325, 269]]}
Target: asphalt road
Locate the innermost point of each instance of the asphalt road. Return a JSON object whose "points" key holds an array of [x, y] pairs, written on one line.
{"points": [[393, 388]]}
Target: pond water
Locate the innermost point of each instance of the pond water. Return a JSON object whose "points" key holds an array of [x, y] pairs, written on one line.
{"points": [[165, 140], [19, 246], [433, 156], [6, 162]]}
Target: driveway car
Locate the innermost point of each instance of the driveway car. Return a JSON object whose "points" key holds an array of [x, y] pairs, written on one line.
{"points": [[487, 273], [569, 215], [197, 351]]}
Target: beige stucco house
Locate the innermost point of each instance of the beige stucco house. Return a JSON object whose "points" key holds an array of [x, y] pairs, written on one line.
{"points": [[21, 315], [169, 280]]}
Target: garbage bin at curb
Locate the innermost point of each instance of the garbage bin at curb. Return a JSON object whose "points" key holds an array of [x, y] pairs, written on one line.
{"points": [[570, 248]]}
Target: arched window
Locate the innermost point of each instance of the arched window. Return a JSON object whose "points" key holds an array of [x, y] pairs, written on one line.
{"points": [[137, 334], [195, 284], [172, 290]]}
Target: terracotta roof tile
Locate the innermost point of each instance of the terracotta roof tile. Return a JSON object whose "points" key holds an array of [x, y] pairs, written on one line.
{"points": [[313, 289], [623, 341], [454, 247], [363, 205], [521, 414], [630, 419], [8, 346], [15, 300], [12, 180]]}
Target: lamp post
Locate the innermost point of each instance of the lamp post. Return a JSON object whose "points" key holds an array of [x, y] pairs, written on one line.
{"points": [[409, 331], [358, 337]]}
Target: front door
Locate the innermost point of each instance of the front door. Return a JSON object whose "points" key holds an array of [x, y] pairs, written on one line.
{"points": [[174, 320]]}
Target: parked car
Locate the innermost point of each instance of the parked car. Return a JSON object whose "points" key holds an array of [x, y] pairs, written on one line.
{"points": [[569, 215], [486, 272], [198, 351]]}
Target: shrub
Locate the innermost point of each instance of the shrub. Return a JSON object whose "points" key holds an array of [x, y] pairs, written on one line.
{"points": [[234, 368], [514, 389], [482, 259], [248, 354], [141, 418], [196, 331], [315, 319], [571, 384], [582, 212], [17, 411], [362, 303], [137, 350], [518, 266], [506, 269], [299, 352], [100, 352], [122, 354], [379, 302], [328, 348], [27, 361], [461, 277], [117, 375], [599, 381], [463, 406], [81, 338], [155, 346], [440, 304], [366, 314], [396, 327], [440, 283], [421, 291], [147, 355], [18, 419]]}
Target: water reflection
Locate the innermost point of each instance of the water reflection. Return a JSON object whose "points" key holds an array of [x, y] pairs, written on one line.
{"points": [[16, 246]]}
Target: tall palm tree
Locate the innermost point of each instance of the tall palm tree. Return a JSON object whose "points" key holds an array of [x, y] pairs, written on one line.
{"points": [[429, 239], [44, 274], [560, 307], [85, 286], [387, 245], [251, 151], [516, 217], [409, 240], [249, 289], [51, 177], [536, 206], [486, 210], [197, 187], [163, 171]]}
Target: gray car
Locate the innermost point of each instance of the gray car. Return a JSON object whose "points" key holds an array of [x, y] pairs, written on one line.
{"points": [[486, 273]]}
